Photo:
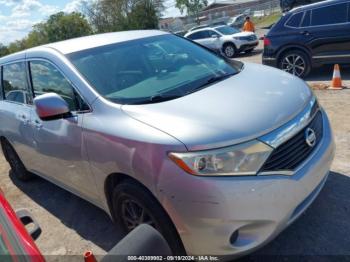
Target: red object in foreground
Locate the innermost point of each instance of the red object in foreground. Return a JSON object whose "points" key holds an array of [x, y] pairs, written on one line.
{"points": [[89, 257], [15, 241]]}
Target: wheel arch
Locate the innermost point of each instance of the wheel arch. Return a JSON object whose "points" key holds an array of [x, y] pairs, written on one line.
{"points": [[115, 179], [289, 48], [228, 43]]}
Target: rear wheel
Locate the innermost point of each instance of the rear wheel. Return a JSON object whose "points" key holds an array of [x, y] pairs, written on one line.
{"points": [[296, 63], [15, 162], [229, 50], [134, 205]]}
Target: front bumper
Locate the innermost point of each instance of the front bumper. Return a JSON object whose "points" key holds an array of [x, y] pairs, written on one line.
{"points": [[248, 46], [269, 61], [208, 210]]}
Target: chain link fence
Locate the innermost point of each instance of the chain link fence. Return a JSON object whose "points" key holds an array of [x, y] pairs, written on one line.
{"points": [[255, 8]]}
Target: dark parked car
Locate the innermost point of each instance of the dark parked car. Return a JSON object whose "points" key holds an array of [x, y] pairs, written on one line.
{"points": [[310, 36], [287, 5]]}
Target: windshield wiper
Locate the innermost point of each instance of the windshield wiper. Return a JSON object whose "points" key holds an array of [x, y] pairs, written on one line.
{"points": [[211, 80], [162, 98]]}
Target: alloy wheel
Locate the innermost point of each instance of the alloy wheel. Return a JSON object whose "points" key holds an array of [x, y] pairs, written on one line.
{"points": [[134, 214], [294, 64], [229, 51]]}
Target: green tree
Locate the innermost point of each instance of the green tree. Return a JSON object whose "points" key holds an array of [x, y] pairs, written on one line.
{"points": [[192, 7], [118, 15], [58, 27], [3, 50], [63, 26]]}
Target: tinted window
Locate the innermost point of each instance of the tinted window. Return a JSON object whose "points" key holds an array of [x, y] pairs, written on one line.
{"points": [[307, 19], [15, 82], [227, 30], [195, 36], [295, 20], [46, 78], [212, 33], [329, 15], [17, 96], [164, 66]]}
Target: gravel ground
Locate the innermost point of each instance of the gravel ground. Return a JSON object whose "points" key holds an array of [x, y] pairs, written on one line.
{"points": [[71, 225]]}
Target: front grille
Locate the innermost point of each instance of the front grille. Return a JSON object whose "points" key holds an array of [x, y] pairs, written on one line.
{"points": [[293, 152], [251, 38]]}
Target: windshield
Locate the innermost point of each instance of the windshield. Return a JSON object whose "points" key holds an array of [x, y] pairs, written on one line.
{"points": [[138, 71], [227, 30]]}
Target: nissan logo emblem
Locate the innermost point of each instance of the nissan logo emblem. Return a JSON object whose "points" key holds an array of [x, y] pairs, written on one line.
{"points": [[310, 137]]}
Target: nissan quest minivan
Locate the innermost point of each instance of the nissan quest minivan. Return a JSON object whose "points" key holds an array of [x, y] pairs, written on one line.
{"points": [[218, 155]]}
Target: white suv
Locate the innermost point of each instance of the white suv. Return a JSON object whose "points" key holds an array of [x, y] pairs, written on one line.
{"points": [[225, 39]]}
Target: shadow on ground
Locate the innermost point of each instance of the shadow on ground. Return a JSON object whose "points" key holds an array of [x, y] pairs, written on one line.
{"points": [[255, 52], [324, 229], [325, 73], [322, 233], [87, 220]]}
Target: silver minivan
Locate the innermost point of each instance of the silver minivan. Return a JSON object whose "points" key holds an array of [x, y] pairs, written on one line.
{"points": [[220, 156]]}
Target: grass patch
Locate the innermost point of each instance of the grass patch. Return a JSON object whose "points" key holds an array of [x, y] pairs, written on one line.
{"points": [[266, 20]]}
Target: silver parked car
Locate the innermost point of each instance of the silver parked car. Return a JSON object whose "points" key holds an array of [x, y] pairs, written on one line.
{"points": [[225, 39], [218, 155]]}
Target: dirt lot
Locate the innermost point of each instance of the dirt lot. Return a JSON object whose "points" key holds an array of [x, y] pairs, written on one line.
{"points": [[71, 225]]}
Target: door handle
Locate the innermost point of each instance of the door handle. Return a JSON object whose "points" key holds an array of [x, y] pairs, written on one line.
{"points": [[38, 124], [305, 33], [24, 119]]}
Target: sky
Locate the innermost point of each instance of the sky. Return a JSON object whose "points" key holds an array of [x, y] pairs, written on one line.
{"points": [[18, 16]]}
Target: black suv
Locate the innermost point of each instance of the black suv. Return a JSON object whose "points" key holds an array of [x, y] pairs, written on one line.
{"points": [[310, 36]]}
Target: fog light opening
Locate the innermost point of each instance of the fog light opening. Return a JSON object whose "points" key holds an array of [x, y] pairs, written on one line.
{"points": [[234, 237]]}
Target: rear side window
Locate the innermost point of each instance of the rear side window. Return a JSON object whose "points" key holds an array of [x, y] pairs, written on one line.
{"points": [[199, 35], [46, 78], [295, 20], [14, 82], [330, 15]]}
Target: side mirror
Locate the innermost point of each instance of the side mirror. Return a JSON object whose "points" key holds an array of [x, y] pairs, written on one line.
{"points": [[50, 106], [215, 36]]}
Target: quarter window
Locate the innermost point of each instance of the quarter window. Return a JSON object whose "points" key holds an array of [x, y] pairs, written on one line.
{"points": [[295, 20], [306, 20], [330, 15], [14, 82], [46, 78]]}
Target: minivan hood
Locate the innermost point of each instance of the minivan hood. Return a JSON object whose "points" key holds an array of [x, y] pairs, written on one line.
{"points": [[240, 108]]}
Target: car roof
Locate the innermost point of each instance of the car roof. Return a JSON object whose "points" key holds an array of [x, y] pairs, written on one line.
{"points": [[201, 29], [87, 42], [315, 5]]}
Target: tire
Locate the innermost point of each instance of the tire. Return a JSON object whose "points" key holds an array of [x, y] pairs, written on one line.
{"points": [[127, 194], [229, 50], [16, 164], [296, 63]]}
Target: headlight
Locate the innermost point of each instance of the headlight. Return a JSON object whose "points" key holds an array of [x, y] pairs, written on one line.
{"points": [[240, 38], [239, 160]]}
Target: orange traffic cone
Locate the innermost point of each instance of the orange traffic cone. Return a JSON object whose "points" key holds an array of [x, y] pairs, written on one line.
{"points": [[89, 257], [336, 81]]}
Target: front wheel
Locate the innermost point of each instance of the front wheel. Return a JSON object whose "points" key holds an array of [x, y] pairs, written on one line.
{"points": [[134, 205], [296, 63], [229, 50], [15, 162]]}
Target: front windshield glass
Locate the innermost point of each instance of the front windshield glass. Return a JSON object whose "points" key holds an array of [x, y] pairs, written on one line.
{"points": [[138, 71], [227, 30]]}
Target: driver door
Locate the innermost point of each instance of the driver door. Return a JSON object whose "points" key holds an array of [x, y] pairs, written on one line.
{"points": [[60, 155]]}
